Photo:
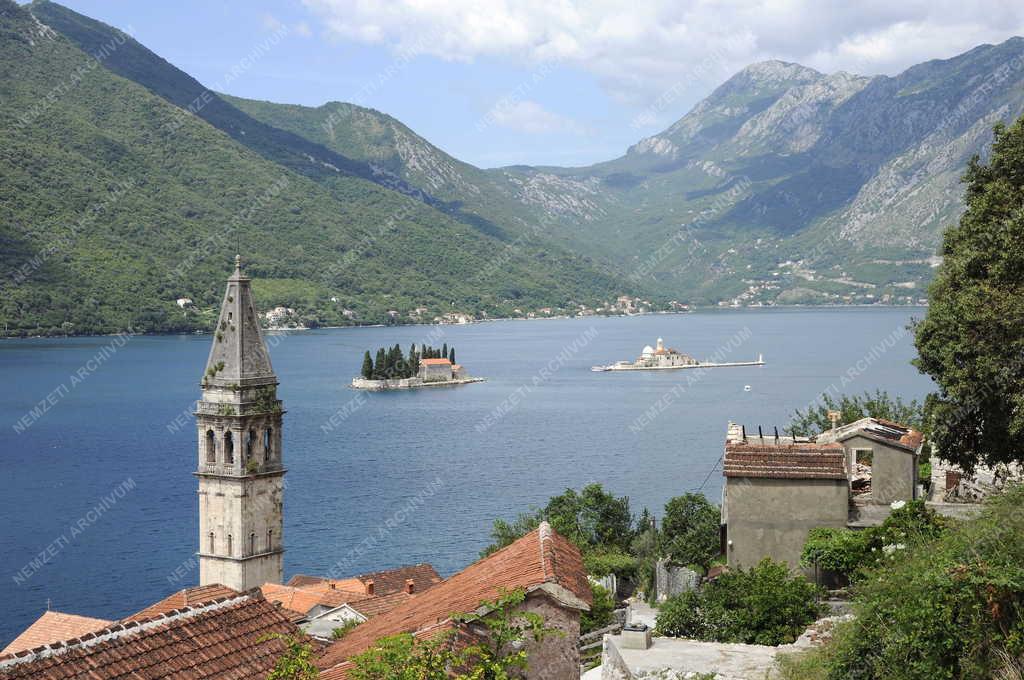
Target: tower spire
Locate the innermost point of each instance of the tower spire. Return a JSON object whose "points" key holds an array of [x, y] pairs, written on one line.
{"points": [[240, 466]]}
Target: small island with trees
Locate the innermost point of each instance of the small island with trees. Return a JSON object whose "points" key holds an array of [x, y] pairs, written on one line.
{"points": [[423, 366]]}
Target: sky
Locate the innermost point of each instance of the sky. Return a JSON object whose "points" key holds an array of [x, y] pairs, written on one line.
{"points": [[538, 82]]}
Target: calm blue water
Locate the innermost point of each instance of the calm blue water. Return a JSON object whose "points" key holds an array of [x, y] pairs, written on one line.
{"points": [[442, 452]]}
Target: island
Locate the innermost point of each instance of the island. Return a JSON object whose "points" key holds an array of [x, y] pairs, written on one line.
{"points": [[423, 366], [659, 359]]}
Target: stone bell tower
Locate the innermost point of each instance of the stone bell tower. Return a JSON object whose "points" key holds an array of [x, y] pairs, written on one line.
{"points": [[240, 467]]}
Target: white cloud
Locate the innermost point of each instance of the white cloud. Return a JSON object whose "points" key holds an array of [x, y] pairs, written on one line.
{"points": [[641, 49], [530, 117]]}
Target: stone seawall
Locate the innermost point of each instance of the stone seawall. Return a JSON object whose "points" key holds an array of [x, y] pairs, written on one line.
{"points": [[408, 383]]}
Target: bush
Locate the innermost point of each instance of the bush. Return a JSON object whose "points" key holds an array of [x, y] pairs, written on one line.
{"points": [[600, 614], [946, 607], [842, 551], [611, 562], [765, 605]]}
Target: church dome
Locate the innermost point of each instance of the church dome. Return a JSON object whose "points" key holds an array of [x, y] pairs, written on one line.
{"points": [[648, 351]]}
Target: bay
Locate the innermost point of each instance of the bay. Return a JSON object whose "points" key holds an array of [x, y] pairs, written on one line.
{"points": [[97, 442]]}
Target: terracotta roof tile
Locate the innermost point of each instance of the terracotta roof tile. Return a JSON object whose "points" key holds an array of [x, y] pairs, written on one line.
{"points": [[541, 558], [435, 362], [220, 640], [375, 606], [785, 461], [189, 597], [54, 627], [385, 582], [303, 599]]}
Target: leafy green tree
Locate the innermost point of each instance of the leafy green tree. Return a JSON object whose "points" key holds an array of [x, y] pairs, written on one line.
{"points": [[970, 341], [854, 407], [690, 530], [367, 371], [593, 519], [296, 663], [765, 605]]}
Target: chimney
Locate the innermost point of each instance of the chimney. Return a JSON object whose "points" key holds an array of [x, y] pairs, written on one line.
{"points": [[369, 587], [410, 585], [334, 586]]}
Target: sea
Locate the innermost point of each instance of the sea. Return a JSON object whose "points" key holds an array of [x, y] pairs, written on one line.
{"points": [[98, 442]]}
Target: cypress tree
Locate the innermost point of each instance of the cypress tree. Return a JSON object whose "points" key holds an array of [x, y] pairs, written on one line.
{"points": [[444, 351], [380, 365], [367, 365], [451, 355]]}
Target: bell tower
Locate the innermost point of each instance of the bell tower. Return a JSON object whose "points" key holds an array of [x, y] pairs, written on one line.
{"points": [[240, 466]]}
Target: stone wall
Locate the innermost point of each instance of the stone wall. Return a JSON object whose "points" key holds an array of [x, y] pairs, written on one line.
{"points": [[671, 580], [556, 656], [893, 470], [771, 517]]}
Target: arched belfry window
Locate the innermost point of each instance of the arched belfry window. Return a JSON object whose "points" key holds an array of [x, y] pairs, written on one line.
{"points": [[250, 443], [268, 444], [252, 543], [230, 546], [270, 540], [229, 448], [211, 447], [213, 546]]}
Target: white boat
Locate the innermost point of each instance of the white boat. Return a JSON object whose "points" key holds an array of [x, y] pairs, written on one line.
{"points": [[746, 388], [599, 369]]}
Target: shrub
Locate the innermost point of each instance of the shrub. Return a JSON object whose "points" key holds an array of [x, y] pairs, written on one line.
{"points": [[765, 605], [691, 530], [600, 614], [946, 607], [610, 562]]}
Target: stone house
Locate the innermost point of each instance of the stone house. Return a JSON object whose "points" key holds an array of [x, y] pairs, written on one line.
{"points": [[543, 564], [778, 488], [775, 492], [889, 449]]}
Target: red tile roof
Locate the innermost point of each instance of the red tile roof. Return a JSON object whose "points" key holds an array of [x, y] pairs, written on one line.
{"points": [[226, 639], [303, 599], [541, 559], [189, 597], [435, 362], [53, 627], [375, 606], [785, 461], [385, 582]]}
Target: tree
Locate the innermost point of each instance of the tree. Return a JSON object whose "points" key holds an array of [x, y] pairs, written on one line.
{"points": [[367, 371], [380, 365], [854, 407], [593, 519], [451, 355], [690, 530], [444, 351], [600, 613], [296, 662], [970, 340]]}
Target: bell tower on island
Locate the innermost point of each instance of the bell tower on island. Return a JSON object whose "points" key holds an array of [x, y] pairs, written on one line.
{"points": [[240, 465]]}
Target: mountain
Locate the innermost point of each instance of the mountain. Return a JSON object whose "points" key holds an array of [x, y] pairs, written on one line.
{"points": [[783, 185], [119, 199]]}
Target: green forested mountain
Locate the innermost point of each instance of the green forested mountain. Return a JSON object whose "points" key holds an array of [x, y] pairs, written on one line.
{"points": [[115, 202], [783, 185]]}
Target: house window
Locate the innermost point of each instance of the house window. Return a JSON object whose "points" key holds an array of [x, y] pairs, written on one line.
{"points": [[229, 448], [863, 456], [230, 546], [211, 447]]}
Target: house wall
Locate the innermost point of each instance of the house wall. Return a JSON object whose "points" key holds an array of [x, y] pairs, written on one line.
{"points": [[771, 517], [438, 372], [556, 656], [893, 470]]}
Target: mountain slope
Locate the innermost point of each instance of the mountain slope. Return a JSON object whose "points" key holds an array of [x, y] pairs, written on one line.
{"points": [[114, 204]]}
